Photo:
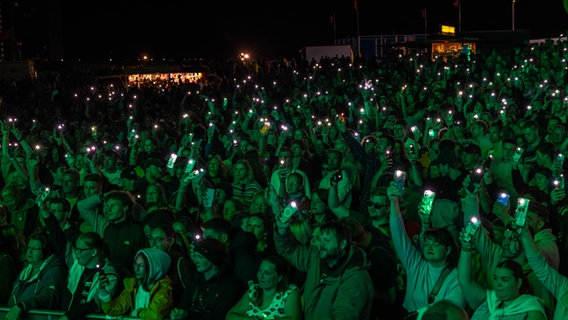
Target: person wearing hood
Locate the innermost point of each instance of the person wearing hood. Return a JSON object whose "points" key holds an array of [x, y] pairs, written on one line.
{"points": [[338, 285], [147, 295], [41, 283]]}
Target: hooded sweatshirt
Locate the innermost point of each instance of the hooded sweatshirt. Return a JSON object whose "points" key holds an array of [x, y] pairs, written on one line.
{"points": [[42, 290], [135, 300]]}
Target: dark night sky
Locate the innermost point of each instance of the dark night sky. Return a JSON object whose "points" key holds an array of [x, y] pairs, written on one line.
{"points": [[191, 28]]}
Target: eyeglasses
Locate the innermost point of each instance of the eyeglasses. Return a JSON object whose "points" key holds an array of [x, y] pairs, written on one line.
{"points": [[81, 249], [138, 266], [375, 205], [32, 249]]}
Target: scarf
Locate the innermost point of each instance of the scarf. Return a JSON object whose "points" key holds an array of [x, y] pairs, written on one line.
{"points": [[522, 304]]}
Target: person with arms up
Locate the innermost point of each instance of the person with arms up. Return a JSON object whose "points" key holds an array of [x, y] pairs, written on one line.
{"points": [[548, 276], [431, 273]]}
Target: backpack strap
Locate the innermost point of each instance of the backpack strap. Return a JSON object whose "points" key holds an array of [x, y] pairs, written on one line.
{"points": [[438, 285]]}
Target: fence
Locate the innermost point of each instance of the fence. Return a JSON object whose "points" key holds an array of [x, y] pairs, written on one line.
{"points": [[54, 315]]}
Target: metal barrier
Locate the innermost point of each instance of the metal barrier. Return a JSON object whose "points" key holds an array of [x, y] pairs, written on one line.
{"points": [[55, 315]]}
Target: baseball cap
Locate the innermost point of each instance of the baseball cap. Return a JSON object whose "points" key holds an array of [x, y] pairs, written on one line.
{"points": [[213, 250]]}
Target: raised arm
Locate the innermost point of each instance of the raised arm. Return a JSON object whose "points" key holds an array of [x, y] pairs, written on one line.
{"points": [[473, 293]]}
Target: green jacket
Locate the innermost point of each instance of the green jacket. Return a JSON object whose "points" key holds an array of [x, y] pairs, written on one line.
{"points": [[160, 306]]}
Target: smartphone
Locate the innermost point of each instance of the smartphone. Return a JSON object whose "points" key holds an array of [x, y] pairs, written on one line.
{"points": [[209, 197], [488, 162], [503, 198], [211, 128], [171, 161], [517, 155], [288, 212], [475, 177], [189, 166], [100, 270], [400, 180], [471, 228], [265, 128], [43, 196], [521, 211], [558, 182], [411, 149], [558, 165], [428, 201], [336, 177]]}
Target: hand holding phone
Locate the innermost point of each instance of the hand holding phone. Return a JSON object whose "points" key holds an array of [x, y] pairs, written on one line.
{"points": [[470, 229], [428, 201], [503, 198], [400, 180], [521, 212], [288, 212]]}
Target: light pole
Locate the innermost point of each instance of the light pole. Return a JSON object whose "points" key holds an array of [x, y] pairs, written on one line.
{"points": [[358, 34], [513, 15]]}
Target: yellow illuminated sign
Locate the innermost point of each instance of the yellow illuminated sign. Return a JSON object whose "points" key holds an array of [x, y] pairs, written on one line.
{"points": [[448, 29]]}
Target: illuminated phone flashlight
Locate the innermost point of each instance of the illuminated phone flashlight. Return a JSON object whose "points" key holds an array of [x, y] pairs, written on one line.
{"points": [[37, 146]]}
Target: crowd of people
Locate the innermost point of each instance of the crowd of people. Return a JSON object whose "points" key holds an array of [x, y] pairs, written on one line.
{"points": [[411, 187]]}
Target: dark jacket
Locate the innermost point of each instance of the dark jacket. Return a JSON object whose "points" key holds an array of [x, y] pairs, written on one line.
{"points": [[212, 299], [42, 290], [124, 238]]}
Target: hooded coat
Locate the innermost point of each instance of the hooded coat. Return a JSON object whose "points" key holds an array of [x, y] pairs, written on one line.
{"points": [[135, 301]]}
